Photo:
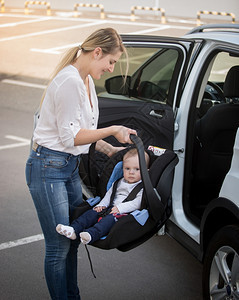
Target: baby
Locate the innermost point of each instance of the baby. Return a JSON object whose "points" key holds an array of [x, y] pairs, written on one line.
{"points": [[88, 226]]}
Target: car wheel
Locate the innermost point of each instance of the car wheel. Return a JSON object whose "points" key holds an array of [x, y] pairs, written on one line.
{"points": [[221, 265]]}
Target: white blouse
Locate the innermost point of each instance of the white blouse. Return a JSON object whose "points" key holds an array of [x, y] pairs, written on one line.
{"points": [[65, 110], [122, 191]]}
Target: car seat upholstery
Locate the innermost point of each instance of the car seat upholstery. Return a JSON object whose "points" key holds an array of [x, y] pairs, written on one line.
{"points": [[215, 133], [231, 85]]}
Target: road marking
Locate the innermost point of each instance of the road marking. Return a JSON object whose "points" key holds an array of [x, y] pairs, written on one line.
{"points": [[120, 17], [55, 50], [182, 21], [59, 18], [92, 23], [21, 10], [11, 38], [70, 17], [22, 142], [20, 16], [24, 22], [23, 83], [17, 138], [67, 14], [150, 30], [23, 241]]}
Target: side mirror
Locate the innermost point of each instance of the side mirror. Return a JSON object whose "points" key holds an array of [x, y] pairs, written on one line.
{"points": [[117, 86]]}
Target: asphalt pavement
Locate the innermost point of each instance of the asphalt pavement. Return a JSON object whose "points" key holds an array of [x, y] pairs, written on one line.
{"points": [[30, 47]]}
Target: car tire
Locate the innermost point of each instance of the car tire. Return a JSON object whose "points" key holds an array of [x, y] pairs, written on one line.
{"points": [[221, 265]]}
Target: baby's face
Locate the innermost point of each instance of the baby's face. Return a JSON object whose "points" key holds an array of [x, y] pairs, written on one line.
{"points": [[131, 169]]}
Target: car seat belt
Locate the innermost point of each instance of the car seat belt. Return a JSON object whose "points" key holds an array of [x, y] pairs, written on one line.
{"points": [[155, 206], [130, 196]]}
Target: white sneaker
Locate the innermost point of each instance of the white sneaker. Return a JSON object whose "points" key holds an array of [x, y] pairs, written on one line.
{"points": [[85, 237], [67, 231]]}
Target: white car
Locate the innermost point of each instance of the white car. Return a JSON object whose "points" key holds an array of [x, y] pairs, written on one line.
{"points": [[183, 94]]}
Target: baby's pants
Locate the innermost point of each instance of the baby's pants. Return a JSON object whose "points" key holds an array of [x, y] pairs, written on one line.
{"points": [[88, 222]]}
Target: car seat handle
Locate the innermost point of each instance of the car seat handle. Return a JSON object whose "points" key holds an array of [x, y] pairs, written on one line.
{"points": [[155, 205]]}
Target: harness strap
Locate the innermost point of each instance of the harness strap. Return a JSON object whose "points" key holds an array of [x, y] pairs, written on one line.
{"points": [[131, 195], [91, 265], [91, 167], [156, 207], [114, 188], [134, 192]]}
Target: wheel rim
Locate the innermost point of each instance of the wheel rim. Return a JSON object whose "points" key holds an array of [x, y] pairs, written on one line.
{"points": [[224, 275]]}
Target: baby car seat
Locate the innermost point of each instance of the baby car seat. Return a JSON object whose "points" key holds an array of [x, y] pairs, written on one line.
{"points": [[137, 227]]}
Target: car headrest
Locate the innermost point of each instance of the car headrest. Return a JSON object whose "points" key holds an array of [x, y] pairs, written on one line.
{"points": [[231, 84]]}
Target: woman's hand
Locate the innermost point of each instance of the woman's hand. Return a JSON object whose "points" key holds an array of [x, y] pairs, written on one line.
{"points": [[87, 136], [107, 148], [122, 134], [114, 150]]}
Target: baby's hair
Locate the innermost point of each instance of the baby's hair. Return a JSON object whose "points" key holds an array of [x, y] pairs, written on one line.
{"points": [[133, 152]]}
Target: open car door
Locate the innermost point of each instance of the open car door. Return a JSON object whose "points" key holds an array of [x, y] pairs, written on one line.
{"points": [[147, 103]]}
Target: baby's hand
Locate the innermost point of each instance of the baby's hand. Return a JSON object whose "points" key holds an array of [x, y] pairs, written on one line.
{"points": [[99, 208], [114, 210]]}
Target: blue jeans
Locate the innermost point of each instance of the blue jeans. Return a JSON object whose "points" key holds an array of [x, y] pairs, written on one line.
{"points": [[54, 183], [88, 222]]}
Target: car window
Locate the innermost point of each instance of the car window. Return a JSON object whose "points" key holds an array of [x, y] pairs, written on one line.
{"points": [[136, 58], [222, 63], [151, 72], [154, 78]]}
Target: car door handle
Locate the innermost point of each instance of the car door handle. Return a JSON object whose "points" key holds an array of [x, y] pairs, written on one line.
{"points": [[156, 113]]}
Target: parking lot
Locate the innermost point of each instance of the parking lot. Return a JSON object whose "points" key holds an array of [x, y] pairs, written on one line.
{"points": [[30, 47]]}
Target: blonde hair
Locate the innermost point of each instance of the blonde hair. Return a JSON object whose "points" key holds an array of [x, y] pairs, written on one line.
{"points": [[134, 152], [106, 38]]}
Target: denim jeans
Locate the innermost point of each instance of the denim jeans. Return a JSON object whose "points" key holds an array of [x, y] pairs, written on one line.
{"points": [[54, 184], [89, 222]]}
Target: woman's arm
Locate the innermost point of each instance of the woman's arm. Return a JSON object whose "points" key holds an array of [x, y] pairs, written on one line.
{"points": [[107, 148], [88, 136]]}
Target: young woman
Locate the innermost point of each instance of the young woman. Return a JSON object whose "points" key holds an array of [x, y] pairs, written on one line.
{"points": [[66, 128]]}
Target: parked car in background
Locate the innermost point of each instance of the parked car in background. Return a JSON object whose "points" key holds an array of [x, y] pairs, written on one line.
{"points": [[183, 94]]}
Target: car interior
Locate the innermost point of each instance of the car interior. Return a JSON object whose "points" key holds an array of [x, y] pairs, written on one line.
{"points": [[214, 116], [215, 129]]}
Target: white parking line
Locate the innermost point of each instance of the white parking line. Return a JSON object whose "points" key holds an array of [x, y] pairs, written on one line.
{"points": [[23, 241], [20, 16], [91, 23], [22, 142], [57, 50], [16, 37], [151, 30], [24, 22], [54, 50], [121, 17], [23, 83]]}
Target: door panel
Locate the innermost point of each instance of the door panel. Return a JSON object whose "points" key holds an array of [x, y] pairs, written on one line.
{"points": [[153, 121], [155, 76]]}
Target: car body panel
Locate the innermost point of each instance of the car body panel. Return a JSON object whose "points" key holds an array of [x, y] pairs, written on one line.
{"points": [[205, 56], [230, 186], [153, 120]]}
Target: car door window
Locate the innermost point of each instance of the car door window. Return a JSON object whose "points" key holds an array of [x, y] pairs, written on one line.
{"points": [[153, 79], [136, 58], [151, 72], [154, 82]]}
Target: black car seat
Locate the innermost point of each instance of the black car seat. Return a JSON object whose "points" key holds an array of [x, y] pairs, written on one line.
{"points": [[215, 133], [129, 231]]}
